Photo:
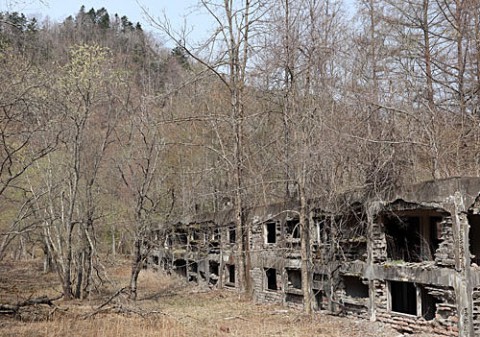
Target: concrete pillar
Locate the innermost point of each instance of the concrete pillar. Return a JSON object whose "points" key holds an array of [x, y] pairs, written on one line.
{"points": [[462, 282]]}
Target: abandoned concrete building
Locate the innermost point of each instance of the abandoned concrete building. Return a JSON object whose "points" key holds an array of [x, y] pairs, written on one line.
{"points": [[410, 259]]}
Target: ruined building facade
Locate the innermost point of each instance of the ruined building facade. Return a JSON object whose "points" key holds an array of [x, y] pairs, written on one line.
{"points": [[410, 259]]}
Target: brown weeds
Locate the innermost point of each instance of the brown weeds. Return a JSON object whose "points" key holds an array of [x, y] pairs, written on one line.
{"points": [[166, 306]]}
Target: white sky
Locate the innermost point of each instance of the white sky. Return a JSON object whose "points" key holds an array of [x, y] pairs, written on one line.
{"points": [[177, 11]]}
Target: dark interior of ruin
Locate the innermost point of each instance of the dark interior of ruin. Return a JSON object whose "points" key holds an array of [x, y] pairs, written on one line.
{"points": [[271, 232], [412, 238], [271, 275], [403, 297]]}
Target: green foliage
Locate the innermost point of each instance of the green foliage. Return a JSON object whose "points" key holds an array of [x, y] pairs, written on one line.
{"points": [[179, 54], [17, 31]]}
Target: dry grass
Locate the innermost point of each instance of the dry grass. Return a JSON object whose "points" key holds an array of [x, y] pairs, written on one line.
{"points": [[166, 306]]}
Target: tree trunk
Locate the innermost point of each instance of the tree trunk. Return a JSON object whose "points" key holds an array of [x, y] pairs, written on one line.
{"points": [[67, 277], [306, 266], [136, 267], [80, 273]]}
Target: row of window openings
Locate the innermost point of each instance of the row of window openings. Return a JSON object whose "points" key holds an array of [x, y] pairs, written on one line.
{"points": [[294, 279], [292, 230], [181, 237], [404, 297], [409, 238], [182, 268]]}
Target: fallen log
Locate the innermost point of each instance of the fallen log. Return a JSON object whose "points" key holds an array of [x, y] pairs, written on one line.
{"points": [[13, 309]]}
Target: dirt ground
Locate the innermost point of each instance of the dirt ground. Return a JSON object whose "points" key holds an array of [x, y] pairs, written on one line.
{"points": [[166, 306]]}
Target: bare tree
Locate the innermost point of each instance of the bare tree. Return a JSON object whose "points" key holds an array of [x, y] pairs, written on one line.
{"points": [[231, 45], [143, 174], [24, 122], [67, 198]]}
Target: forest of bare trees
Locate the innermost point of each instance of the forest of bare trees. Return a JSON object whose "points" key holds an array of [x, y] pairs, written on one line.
{"points": [[106, 135]]}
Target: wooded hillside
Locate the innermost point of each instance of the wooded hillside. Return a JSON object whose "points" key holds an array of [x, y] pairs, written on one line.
{"points": [[105, 134]]}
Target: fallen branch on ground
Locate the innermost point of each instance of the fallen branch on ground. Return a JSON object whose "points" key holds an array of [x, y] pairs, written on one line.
{"points": [[13, 309], [100, 308]]}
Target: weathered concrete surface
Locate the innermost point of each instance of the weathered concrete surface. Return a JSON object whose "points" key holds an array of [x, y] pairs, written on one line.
{"points": [[448, 278]]}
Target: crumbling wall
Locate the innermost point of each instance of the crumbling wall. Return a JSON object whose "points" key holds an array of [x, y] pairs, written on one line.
{"points": [[262, 295], [441, 321], [446, 310], [476, 310], [353, 297], [379, 242], [444, 256], [381, 294]]}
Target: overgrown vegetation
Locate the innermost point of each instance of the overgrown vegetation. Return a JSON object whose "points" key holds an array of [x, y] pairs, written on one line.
{"points": [[107, 136], [165, 306]]}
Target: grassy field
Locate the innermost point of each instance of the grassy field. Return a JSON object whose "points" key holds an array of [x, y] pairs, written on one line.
{"points": [[166, 306]]}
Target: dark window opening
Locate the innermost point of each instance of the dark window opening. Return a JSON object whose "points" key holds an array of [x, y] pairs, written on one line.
{"points": [[271, 232], [294, 298], [180, 267], [292, 228], [214, 268], [403, 297], [353, 224], [214, 243], [354, 287], [197, 236], [232, 237], [429, 305], [231, 274], [271, 275], [474, 238], [216, 235], [351, 234], [181, 238], [169, 241], [403, 238], [193, 267], [320, 299], [322, 230], [412, 238], [294, 277]]}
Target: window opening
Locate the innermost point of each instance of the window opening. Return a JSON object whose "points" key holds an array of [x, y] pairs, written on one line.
{"points": [[354, 287], [271, 232], [231, 274], [292, 228], [214, 272], [429, 305], [180, 267], [403, 297], [271, 275], [232, 234], [294, 277], [474, 238]]}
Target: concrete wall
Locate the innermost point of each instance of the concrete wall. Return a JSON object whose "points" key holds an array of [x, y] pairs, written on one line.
{"points": [[354, 269]]}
